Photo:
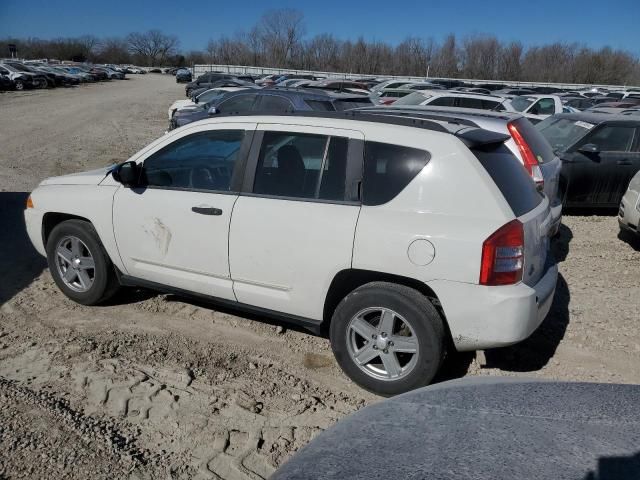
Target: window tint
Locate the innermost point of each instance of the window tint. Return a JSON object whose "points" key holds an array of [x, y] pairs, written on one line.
{"points": [[302, 165], [320, 105], [388, 169], [414, 98], [512, 180], [349, 103], [470, 103], [202, 161], [273, 103], [544, 106], [443, 102], [239, 103], [536, 141], [612, 138]]}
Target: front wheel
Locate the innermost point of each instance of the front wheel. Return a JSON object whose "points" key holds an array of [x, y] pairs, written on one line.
{"points": [[388, 338], [19, 85], [79, 264]]}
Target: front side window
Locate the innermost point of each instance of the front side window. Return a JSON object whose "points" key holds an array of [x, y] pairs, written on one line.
{"points": [[202, 161], [414, 98], [544, 106], [302, 165], [612, 138], [388, 169], [237, 104]]}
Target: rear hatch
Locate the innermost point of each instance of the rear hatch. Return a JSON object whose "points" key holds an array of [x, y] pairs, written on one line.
{"points": [[528, 205]]}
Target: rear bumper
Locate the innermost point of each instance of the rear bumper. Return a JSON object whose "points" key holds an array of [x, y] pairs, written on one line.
{"points": [[628, 213], [481, 317]]}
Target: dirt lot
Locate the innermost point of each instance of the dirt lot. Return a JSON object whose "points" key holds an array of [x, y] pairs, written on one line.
{"points": [[155, 386]]}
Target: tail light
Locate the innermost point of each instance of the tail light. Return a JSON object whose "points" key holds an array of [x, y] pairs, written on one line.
{"points": [[503, 256], [531, 163]]}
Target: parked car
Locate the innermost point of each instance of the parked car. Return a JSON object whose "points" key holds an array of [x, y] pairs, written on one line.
{"points": [[600, 154], [389, 84], [484, 91], [578, 102], [423, 86], [204, 97], [210, 80], [454, 99], [183, 75], [537, 107], [629, 210], [273, 100], [482, 428], [513, 92], [338, 85], [337, 225], [22, 78], [388, 96], [525, 143]]}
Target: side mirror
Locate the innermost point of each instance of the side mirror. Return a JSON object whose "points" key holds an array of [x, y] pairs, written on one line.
{"points": [[195, 99], [589, 149], [213, 111], [127, 173]]}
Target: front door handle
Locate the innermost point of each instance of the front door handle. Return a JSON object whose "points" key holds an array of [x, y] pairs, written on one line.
{"points": [[624, 162], [206, 210]]}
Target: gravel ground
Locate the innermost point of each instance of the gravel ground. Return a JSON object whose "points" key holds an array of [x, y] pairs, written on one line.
{"points": [[155, 386]]}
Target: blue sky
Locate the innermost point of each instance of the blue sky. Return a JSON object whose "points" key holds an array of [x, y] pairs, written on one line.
{"points": [[595, 23]]}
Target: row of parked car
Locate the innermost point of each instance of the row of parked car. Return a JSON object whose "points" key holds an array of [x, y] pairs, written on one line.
{"points": [[18, 75], [593, 156]]}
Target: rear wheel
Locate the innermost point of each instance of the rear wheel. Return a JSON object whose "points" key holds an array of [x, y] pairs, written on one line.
{"points": [[19, 85], [79, 264], [388, 338]]}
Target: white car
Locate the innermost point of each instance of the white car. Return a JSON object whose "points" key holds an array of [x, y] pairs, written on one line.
{"points": [[204, 97], [435, 98], [396, 236], [629, 211], [538, 107]]}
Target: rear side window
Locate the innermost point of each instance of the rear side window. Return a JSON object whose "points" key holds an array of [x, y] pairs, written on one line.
{"points": [[274, 104], [443, 102], [512, 180], [320, 105], [349, 103], [388, 169], [538, 144]]}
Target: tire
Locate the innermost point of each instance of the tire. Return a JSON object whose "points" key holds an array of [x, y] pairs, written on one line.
{"points": [[411, 312], [92, 290], [19, 85]]}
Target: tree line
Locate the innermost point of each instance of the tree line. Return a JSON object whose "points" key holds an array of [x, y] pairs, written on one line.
{"points": [[279, 40]]}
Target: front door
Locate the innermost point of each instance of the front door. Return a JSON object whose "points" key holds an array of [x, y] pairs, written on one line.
{"points": [[292, 229], [174, 231]]}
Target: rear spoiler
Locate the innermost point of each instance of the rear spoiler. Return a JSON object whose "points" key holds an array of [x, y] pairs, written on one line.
{"points": [[478, 137]]}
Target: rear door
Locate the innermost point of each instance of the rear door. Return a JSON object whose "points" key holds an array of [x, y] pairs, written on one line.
{"points": [[293, 225]]}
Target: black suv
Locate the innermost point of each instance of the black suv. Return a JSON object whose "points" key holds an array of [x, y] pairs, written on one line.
{"points": [[206, 80], [274, 100]]}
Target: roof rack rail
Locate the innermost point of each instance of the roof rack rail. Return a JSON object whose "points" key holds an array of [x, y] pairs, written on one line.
{"points": [[350, 115]]}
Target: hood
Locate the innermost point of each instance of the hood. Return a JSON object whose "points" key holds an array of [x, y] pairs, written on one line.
{"points": [[91, 177]]}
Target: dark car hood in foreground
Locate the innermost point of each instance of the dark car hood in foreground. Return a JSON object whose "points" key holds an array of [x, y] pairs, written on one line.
{"points": [[189, 116], [483, 429]]}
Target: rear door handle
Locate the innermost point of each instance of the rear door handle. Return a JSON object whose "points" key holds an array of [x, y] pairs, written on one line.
{"points": [[624, 162], [206, 210]]}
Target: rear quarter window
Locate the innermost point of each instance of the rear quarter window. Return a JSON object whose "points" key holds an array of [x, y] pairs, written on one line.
{"points": [[388, 169], [513, 181]]}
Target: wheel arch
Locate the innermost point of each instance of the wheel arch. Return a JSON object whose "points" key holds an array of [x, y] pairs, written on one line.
{"points": [[51, 219], [348, 280]]}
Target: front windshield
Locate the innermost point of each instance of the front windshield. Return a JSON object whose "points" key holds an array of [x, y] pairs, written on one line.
{"points": [[19, 67], [520, 104], [561, 133], [207, 97], [415, 98]]}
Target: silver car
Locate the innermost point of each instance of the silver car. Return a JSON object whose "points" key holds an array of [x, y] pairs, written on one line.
{"points": [[526, 143]]}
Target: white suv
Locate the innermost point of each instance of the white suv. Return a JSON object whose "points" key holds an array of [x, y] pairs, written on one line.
{"points": [[397, 236]]}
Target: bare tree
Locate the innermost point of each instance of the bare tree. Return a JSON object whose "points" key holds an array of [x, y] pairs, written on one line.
{"points": [[152, 47], [281, 32]]}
